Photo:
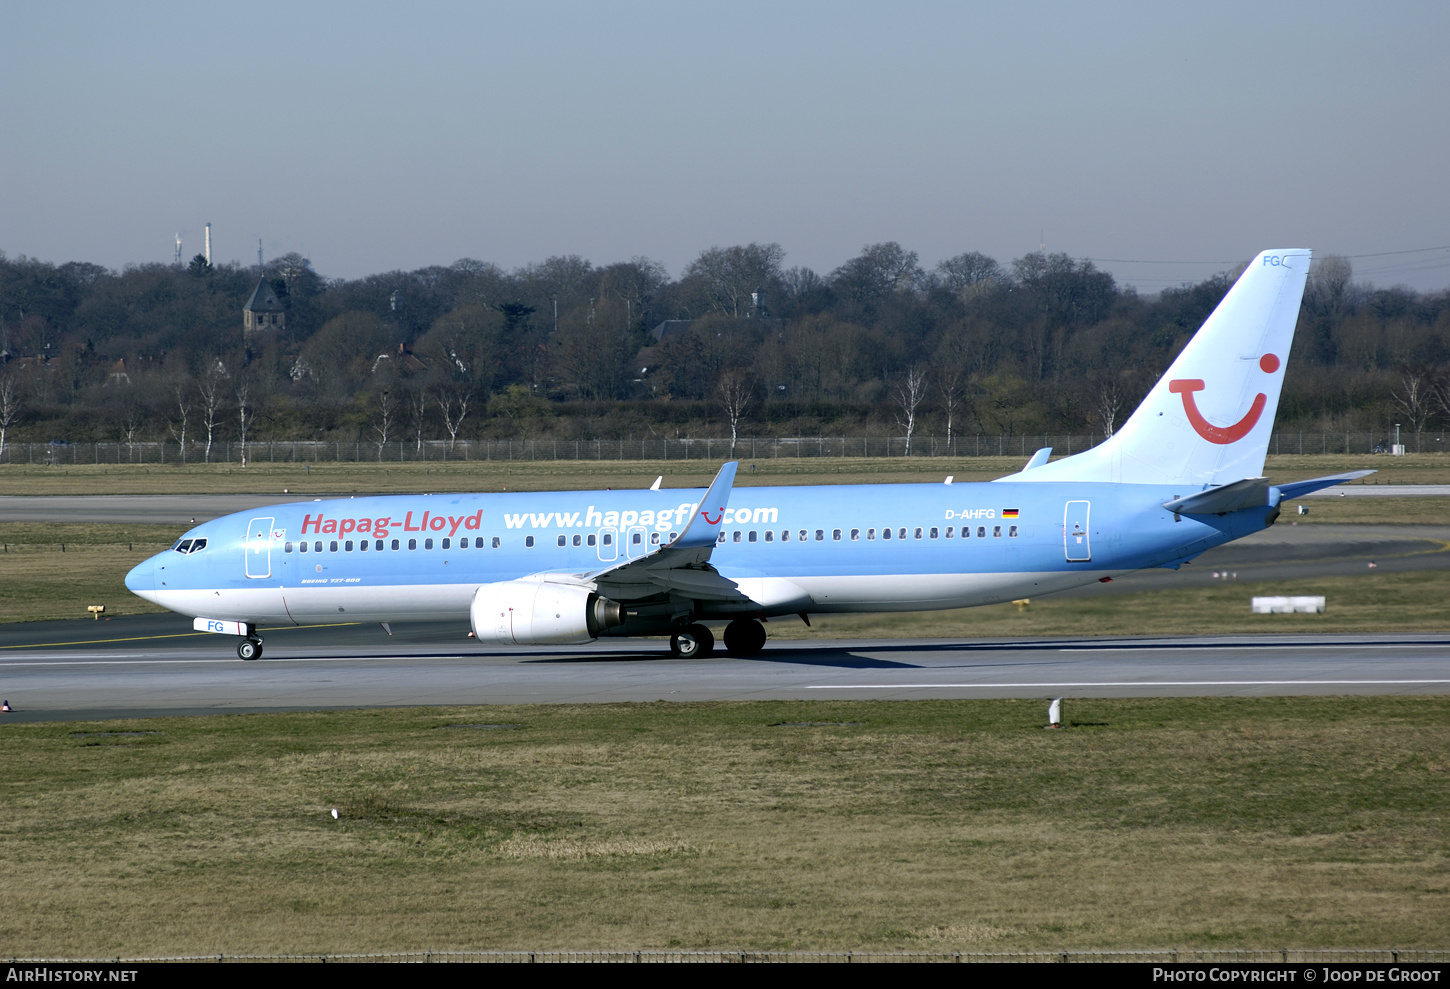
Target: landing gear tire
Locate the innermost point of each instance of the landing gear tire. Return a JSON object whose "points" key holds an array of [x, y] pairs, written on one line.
{"points": [[692, 642], [249, 649], [744, 637]]}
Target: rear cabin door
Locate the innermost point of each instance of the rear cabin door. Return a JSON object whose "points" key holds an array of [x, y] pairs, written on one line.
{"points": [[1075, 541], [259, 547]]}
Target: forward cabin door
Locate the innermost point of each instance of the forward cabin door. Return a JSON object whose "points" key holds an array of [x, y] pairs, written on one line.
{"points": [[259, 547], [1075, 541]]}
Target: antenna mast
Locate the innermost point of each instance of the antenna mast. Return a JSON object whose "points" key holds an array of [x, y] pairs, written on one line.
{"points": [[208, 245], [259, 252], [176, 259]]}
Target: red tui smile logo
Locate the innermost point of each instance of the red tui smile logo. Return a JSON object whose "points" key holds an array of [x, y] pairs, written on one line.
{"points": [[720, 514], [1222, 435]]}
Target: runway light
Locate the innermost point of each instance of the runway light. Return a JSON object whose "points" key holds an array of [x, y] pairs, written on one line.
{"points": [[4, 706], [1054, 714]]}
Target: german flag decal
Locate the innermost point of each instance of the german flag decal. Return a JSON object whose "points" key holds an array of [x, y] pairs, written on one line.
{"points": [[1009, 513]]}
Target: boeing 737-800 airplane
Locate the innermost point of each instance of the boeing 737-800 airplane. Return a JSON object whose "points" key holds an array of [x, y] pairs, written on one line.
{"points": [[1181, 476]]}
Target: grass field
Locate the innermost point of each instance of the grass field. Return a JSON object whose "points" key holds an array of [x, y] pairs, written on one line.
{"points": [[1221, 823], [520, 475]]}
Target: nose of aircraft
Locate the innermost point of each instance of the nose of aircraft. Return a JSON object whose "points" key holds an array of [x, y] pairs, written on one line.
{"points": [[142, 578]]}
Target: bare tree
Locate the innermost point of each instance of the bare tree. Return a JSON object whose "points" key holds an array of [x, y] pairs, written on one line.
{"points": [[243, 396], [9, 408], [1415, 402], [910, 391], [418, 406], [951, 382], [383, 419], [132, 419], [181, 398], [735, 389], [212, 400], [732, 273], [453, 403], [1108, 404]]}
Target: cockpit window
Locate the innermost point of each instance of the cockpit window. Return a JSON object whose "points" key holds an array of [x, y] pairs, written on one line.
{"points": [[191, 546], [184, 546]]}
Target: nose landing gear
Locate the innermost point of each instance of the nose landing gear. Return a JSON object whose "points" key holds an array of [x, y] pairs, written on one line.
{"points": [[250, 648]]}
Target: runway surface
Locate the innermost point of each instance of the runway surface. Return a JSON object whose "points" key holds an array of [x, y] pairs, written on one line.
{"points": [[154, 665]]}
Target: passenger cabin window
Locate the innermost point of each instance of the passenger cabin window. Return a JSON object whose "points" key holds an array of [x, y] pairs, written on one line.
{"points": [[885, 533], [579, 541], [654, 538], [996, 530], [591, 539], [302, 547], [395, 544], [287, 548], [529, 542], [855, 535], [317, 546], [362, 545], [735, 536], [332, 546], [636, 538], [933, 532], [981, 532], [562, 542], [902, 532], [950, 529], [347, 546], [770, 535], [412, 544], [752, 535], [497, 543], [1012, 532], [427, 544], [870, 534], [446, 542], [804, 535], [918, 532], [785, 535], [820, 535], [836, 534]]}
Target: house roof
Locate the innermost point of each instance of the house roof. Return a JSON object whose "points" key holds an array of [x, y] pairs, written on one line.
{"points": [[263, 299]]}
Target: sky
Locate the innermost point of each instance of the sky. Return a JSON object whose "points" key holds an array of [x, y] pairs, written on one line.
{"points": [[1166, 141]]}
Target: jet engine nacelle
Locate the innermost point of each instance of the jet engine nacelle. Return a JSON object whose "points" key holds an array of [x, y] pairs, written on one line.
{"points": [[539, 612]]}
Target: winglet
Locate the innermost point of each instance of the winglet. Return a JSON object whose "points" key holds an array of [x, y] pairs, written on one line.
{"points": [[702, 530]]}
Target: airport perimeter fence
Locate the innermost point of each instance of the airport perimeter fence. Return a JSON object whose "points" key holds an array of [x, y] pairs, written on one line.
{"points": [[1187, 956], [710, 449]]}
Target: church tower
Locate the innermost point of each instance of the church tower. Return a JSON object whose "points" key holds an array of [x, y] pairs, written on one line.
{"points": [[263, 313]]}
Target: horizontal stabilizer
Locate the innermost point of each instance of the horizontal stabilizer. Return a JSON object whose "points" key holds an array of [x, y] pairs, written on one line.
{"points": [[1299, 489], [1251, 492], [1039, 458]]}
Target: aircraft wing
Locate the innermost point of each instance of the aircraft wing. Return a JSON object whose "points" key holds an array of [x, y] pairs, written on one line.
{"points": [[682, 565]]}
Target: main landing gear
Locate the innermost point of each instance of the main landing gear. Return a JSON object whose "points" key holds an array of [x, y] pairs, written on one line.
{"points": [[692, 642], [250, 648], [744, 637]]}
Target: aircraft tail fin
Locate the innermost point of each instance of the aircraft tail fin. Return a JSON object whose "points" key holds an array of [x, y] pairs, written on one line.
{"points": [[1207, 421]]}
